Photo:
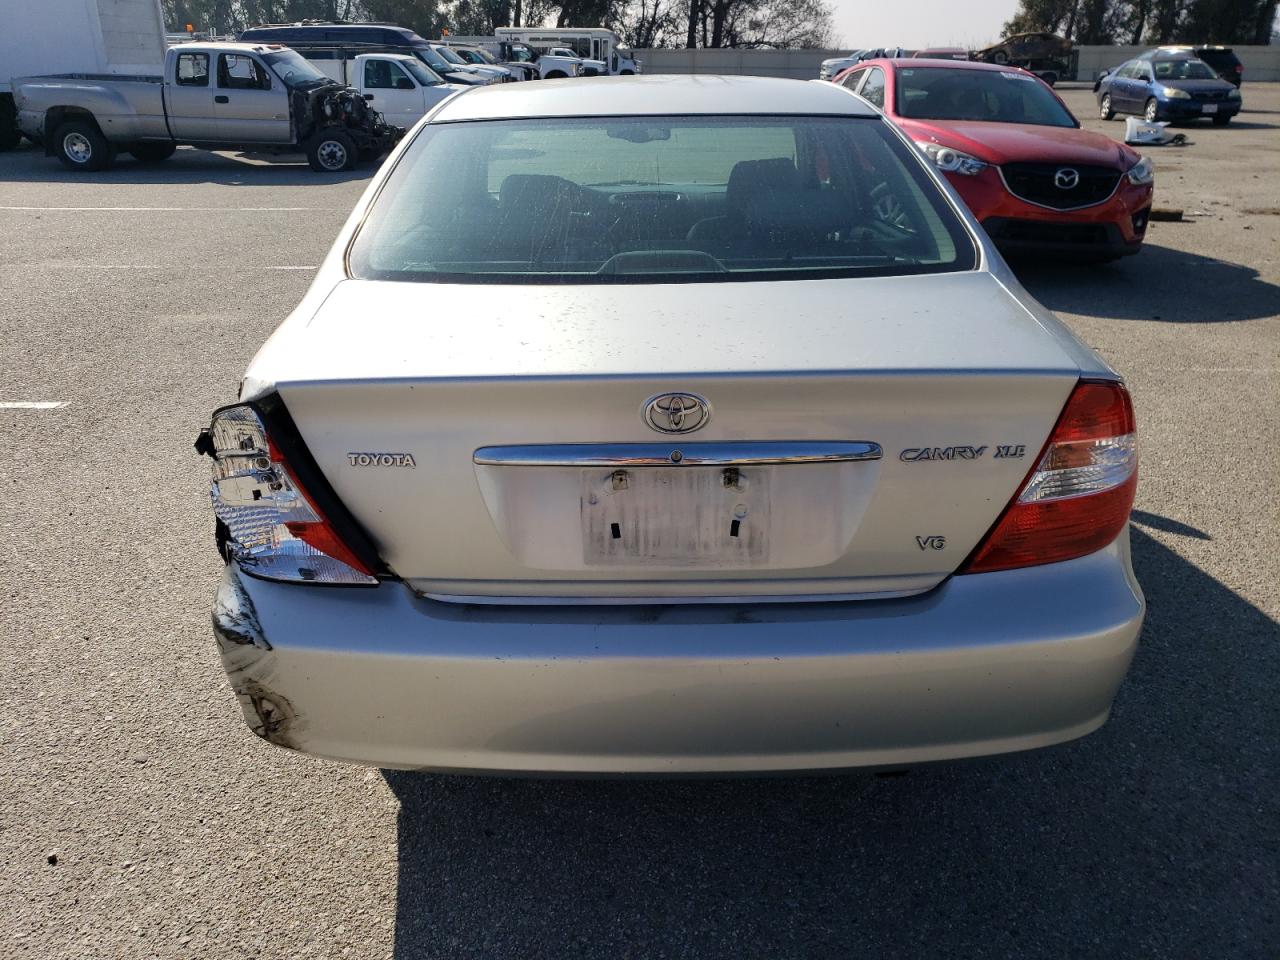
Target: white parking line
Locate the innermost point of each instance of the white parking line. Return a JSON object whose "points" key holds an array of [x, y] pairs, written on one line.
{"points": [[293, 268], [32, 404], [171, 209], [151, 266]]}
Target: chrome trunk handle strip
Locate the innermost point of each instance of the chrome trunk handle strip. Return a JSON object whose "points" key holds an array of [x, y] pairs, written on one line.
{"points": [[728, 454]]}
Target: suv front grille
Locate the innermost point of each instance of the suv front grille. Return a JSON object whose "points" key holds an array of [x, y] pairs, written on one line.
{"points": [[1038, 183]]}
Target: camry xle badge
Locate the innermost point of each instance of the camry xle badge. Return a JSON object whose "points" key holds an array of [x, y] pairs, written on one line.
{"points": [[381, 460], [1066, 178], [676, 412], [912, 454]]}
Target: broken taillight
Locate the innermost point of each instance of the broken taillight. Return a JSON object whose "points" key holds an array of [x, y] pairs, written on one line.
{"points": [[271, 526], [1078, 497]]}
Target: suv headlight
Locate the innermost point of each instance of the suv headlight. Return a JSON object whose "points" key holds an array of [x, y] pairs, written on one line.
{"points": [[951, 161], [1142, 172], [1173, 93]]}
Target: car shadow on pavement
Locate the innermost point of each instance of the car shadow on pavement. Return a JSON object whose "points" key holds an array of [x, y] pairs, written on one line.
{"points": [[1159, 283], [1155, 836], [29, 164]]}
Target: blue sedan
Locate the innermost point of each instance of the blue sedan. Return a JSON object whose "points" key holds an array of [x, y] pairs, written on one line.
{"points": [[1168, 88]]}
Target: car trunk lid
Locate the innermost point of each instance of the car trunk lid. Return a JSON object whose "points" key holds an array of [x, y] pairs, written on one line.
{"points": [[532, 472]]}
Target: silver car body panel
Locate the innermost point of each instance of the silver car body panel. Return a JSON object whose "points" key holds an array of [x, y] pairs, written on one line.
{"points": [[983, 664]]}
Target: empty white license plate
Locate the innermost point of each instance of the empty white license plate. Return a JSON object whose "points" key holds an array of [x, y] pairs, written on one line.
{"points": [[676, 516], [1209, 108]]}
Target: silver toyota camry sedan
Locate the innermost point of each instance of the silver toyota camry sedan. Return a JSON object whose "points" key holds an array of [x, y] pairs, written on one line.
{"points": [[670, 425]]}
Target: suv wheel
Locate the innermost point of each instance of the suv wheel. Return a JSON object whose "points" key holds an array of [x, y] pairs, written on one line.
{"points": [[1104, 108], [80, 145], [331, 151]]}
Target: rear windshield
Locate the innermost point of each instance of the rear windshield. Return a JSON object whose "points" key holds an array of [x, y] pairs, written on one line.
{"points": [[1183, 69], [650, 199], [1003, 96]]}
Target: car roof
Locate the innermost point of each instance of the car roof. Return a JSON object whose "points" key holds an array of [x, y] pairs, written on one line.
{"points": [[657, 94], [914, 63]]}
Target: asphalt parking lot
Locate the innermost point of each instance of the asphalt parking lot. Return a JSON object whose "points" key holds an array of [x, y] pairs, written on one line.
{"points": [[139, 818]]}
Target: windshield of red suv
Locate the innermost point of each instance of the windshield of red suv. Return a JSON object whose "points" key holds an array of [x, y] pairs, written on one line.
{"points": [[642, 199], [1003, 96]]}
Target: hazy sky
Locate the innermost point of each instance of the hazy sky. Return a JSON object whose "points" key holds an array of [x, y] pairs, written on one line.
{"points": [[921, 23]]}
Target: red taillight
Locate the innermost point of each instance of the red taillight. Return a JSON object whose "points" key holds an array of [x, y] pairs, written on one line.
{"points": [[1078, 497], [1239, 68], [271, 525]]}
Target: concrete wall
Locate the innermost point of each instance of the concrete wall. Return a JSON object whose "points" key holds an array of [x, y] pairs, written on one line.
{"points": [[1260, 63]]}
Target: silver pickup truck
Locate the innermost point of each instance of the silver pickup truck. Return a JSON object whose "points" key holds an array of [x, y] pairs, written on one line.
{"points": [[219, 96]]}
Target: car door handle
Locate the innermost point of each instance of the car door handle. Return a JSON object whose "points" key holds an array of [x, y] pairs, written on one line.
{"points": [[221, 99]]}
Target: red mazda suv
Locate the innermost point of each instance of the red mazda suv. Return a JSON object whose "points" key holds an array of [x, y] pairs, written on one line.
{"points": [[1016, 155]]}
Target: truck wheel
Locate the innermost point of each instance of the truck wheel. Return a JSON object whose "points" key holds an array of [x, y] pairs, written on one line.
{"points": [[331, 151], [10, 136], [626, 73], [153, 152], [81, 146]]}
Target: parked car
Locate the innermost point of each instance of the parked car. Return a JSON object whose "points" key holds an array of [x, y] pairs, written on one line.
{"points": [[218, 96], [682, 511], [519, 56], [479, 56], [1037, 182], [321, 42], [400, 87], [495, 72], [1175, 87], [1223, 60], [586, 68], [942, 53], [835, 65], [1046, 55]]}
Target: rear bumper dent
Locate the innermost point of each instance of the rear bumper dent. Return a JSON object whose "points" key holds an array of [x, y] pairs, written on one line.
{"points": [[983, 664]]}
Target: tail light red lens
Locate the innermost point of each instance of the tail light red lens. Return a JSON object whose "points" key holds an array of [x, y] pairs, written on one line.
{"points": [[1078, 497], [274, 528]]}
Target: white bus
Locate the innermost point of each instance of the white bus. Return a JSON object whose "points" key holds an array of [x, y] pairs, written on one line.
{"points": [[590, 43]]}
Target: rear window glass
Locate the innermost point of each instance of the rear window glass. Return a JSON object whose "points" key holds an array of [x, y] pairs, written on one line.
{"points": [[656, 199], [1002, 96]]}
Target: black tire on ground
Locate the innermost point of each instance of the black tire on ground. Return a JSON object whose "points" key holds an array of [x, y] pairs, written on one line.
{"points": [[1104, 108], [1152, 112], [1221, 119], [152, 152], [331, 151], [555, 75], [80, 145], [9, 135]]}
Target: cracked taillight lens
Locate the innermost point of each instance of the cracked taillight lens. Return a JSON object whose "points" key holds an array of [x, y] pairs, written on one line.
{"points": [[273, 528], [1078, 497]]}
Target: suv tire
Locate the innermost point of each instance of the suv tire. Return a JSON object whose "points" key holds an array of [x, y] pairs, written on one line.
{"points": [[332, 151]]}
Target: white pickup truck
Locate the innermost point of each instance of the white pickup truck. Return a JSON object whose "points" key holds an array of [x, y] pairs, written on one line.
{"points": [[400, 87], [219, 96]]}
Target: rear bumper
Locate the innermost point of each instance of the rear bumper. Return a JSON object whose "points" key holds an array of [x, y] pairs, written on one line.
{"points": [[983, 664]]}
